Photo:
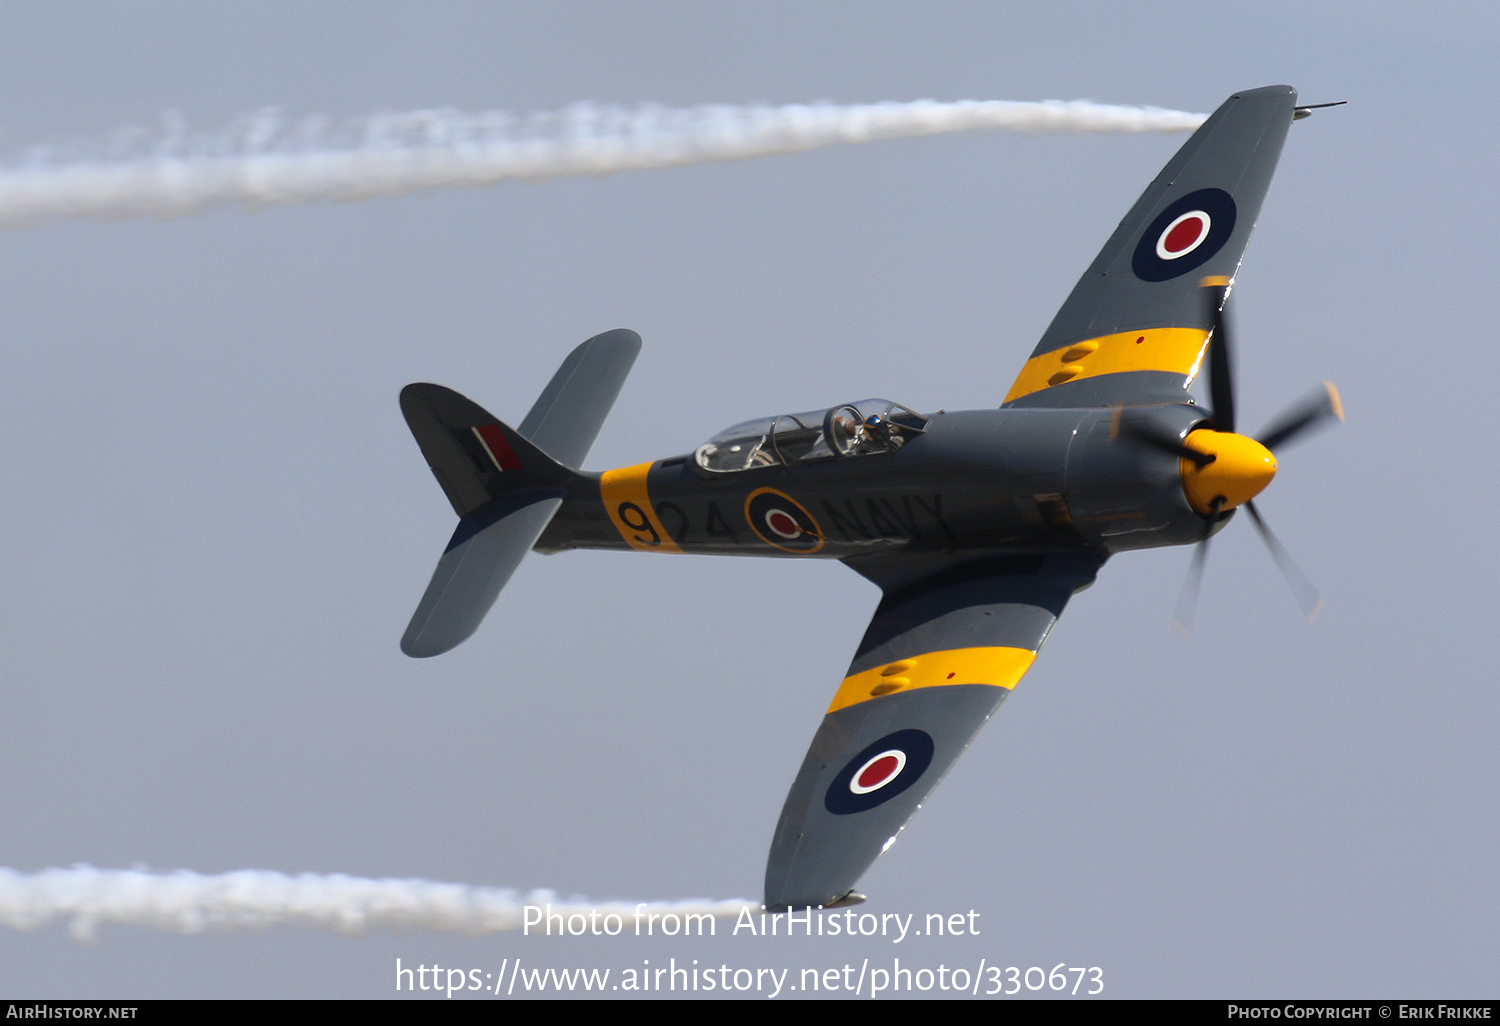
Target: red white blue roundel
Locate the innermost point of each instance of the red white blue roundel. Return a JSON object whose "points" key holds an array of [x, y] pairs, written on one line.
{"points": [[880, 772], [779, 520], [1185, 235]]}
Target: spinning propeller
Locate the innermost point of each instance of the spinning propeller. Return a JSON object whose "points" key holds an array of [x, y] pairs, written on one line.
{"points": [[1222, 470]]}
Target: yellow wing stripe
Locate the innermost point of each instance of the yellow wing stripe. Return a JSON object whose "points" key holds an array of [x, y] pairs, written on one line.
{"points": [[629, 506], [999, 667], [1175, 350]]}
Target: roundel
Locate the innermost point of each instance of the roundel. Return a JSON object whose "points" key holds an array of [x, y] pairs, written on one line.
{"points": [[1184, 235], [879, 772], [778, 519]]}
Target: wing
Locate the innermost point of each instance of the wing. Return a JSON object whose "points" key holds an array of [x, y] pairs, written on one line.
{"points": [[1134, 328], [940, 655]]}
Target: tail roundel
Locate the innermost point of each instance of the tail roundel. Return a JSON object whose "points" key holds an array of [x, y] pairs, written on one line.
{"points": [[504, 484]]}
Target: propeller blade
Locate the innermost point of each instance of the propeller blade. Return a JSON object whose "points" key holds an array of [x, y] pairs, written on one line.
{"points": [[1187, 599], [1306, 594], [1303, 416], [1165, 442], [1220, 361]]}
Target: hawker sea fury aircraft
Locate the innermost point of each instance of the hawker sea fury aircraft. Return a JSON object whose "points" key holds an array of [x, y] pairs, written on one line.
{"points": [[978, 525]]}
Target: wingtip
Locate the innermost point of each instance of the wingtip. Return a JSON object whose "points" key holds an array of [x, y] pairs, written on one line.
{"points": [[416, 644], [622, 338]]}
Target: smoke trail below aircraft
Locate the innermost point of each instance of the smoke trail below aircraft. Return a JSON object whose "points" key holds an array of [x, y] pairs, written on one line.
{"points": [[188, 902], [266, 159]]}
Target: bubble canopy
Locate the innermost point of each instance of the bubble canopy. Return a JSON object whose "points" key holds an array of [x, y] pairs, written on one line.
{"points": [[853, 429]]}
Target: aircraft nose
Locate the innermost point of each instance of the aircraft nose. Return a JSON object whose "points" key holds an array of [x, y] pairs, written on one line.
{"points": [[1240, 469]]}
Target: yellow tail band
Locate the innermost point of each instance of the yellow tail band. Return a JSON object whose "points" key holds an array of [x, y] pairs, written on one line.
{"points": [[628, 503]]}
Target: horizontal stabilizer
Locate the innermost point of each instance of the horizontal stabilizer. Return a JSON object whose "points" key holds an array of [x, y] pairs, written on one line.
{"points": [[480, 558], [569, 413]]}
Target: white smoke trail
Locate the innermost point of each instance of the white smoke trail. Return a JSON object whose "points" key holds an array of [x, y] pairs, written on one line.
{"points": [[188, 902], [266, 160]]}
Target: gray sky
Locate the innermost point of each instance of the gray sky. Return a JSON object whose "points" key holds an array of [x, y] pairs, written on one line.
{"points": [[215, 525]]}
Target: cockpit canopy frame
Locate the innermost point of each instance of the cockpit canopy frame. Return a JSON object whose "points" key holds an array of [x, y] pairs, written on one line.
{"points": [[860, 428]]}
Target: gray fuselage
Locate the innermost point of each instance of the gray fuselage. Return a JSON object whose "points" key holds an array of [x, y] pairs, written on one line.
{"points": [[976, 480]]}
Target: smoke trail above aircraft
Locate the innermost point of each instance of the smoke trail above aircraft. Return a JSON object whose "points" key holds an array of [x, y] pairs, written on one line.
{"points": [[266, 159], [187, 902]]}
